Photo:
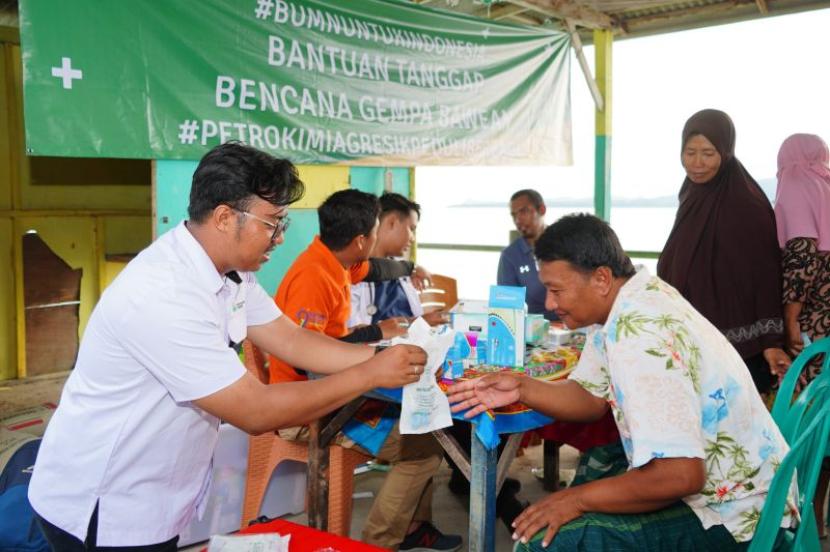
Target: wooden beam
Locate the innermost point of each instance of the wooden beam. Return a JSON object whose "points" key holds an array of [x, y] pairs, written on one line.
{"points": [[451, 447], [506, 458], [9, 34], [525, 19], [568, 9], [762, 6], [511, 12], [19, 301], [499, 11], [576, 41], [317, 484]]}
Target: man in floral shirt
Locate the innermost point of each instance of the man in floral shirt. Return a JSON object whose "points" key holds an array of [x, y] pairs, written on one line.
{"points": [[702, 447]]}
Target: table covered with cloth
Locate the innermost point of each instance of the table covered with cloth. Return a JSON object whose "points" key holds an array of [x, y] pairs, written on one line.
{"points": [[373, 422]]}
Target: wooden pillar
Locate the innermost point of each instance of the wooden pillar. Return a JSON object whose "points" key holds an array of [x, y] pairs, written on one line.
{"points": [[603, 41], [317, 482], [550, 465]]}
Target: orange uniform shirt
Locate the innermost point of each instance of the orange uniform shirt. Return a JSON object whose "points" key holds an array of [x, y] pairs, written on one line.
{"points": [[316, 294]]}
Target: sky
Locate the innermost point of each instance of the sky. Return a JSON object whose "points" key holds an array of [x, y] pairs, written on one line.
{"points": [[770, 75]]}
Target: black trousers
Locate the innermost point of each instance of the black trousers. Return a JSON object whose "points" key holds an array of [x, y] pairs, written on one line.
{"points": [[61, 541]]}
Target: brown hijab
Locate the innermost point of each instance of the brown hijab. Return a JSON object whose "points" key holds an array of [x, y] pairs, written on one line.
{"points": [[722, 253]]}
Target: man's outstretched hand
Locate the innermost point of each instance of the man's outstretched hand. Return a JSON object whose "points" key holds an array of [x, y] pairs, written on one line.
{"points": [[485, 393]]}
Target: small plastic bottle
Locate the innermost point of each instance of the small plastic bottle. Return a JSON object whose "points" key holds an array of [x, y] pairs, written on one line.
{"points": [[450, 363], [481, 351]]}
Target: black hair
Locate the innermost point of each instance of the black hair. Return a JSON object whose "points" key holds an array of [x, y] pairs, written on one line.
{"points": [[233, 174], [585, 241], [535, 197], [391, 202], [346, 214]]}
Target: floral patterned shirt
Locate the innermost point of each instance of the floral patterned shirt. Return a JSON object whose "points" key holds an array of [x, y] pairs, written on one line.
{"points": [[678, 389]]}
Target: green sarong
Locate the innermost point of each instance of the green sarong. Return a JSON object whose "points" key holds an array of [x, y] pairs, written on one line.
{"points": [[672, 529], [600, 462]]}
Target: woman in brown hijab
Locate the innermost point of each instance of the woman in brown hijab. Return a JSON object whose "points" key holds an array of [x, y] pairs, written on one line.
{"points": [[722, 253]]}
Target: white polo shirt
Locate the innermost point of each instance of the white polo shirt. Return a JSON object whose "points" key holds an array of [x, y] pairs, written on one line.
{"points": [[126, 434]]}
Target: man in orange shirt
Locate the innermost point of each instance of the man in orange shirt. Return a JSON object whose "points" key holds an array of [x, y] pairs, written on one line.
{"points": [[315, 293]]}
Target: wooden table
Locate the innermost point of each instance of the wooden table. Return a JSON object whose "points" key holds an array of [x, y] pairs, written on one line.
{"points": [[483, 468]]}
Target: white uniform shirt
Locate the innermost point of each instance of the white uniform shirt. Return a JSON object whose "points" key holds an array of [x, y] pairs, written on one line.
{"points": [[126, 434]]}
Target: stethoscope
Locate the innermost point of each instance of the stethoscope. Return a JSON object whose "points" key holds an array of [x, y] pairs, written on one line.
{"points": [[371, 310]]}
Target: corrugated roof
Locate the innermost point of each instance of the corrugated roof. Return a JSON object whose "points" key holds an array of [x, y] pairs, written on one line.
{"points": [[627, 18]]}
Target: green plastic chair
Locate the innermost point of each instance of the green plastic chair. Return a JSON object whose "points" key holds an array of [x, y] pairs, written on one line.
{"points": [[805, 424], [784, 399], [804, 459]]}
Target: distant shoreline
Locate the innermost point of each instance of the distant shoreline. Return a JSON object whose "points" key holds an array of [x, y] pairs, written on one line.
{"points": [[768, 185], [585, 203]]}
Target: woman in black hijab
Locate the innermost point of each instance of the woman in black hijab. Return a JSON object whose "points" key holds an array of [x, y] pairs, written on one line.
{"points": [[722, 253]]}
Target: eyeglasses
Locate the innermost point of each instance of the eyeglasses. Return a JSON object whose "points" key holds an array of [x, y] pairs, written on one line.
{"points": [[279, 227]]}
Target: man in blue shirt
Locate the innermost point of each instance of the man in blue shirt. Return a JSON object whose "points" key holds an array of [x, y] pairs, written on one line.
{"points": [[517, 265]]}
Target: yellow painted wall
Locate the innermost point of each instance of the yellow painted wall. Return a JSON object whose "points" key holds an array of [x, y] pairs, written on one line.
{"points": [[5, 150], [8, 347], [84, 209], [126, 234], [111, 270], [320, 182], [122, 236]]}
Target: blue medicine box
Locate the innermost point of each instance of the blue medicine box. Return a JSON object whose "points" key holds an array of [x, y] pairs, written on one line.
{"points": [[506, 326]]}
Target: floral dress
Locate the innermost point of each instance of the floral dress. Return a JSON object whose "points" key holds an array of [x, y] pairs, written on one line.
{"points": [[678, 389], [807, 281]]}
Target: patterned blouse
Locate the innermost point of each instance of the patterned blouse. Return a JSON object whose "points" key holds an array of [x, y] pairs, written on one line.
{"points": [[678, 389], [807, 281]]}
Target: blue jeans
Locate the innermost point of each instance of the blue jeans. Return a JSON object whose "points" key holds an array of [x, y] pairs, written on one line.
{"points": [[61, 541]]}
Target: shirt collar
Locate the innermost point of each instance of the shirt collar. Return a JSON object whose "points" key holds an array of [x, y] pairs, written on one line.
{"points": [[633, 286], [199, 259], [326, 255]]}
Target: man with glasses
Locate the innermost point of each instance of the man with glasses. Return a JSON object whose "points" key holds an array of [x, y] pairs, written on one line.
{"points": [[279, 226], [125, 463]]}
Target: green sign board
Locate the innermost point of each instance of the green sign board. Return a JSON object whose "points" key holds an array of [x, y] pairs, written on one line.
{"points": [[375, 82]]}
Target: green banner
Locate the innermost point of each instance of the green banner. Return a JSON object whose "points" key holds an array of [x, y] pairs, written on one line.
{"points": [[376, 82]]}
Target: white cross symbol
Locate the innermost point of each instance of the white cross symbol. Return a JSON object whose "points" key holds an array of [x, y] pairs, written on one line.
{"points": [[66, 72], [486, 33]]}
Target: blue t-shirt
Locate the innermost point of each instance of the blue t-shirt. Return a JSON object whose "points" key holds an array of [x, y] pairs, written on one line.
{"points": [[517, 267]]}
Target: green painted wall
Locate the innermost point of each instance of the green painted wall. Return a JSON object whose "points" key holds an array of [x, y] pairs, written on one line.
{"points": [[373, 180], [173, 189]]}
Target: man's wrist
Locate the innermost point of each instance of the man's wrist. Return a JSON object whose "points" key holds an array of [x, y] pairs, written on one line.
{"points": [[579, 498], [522, 389]]}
